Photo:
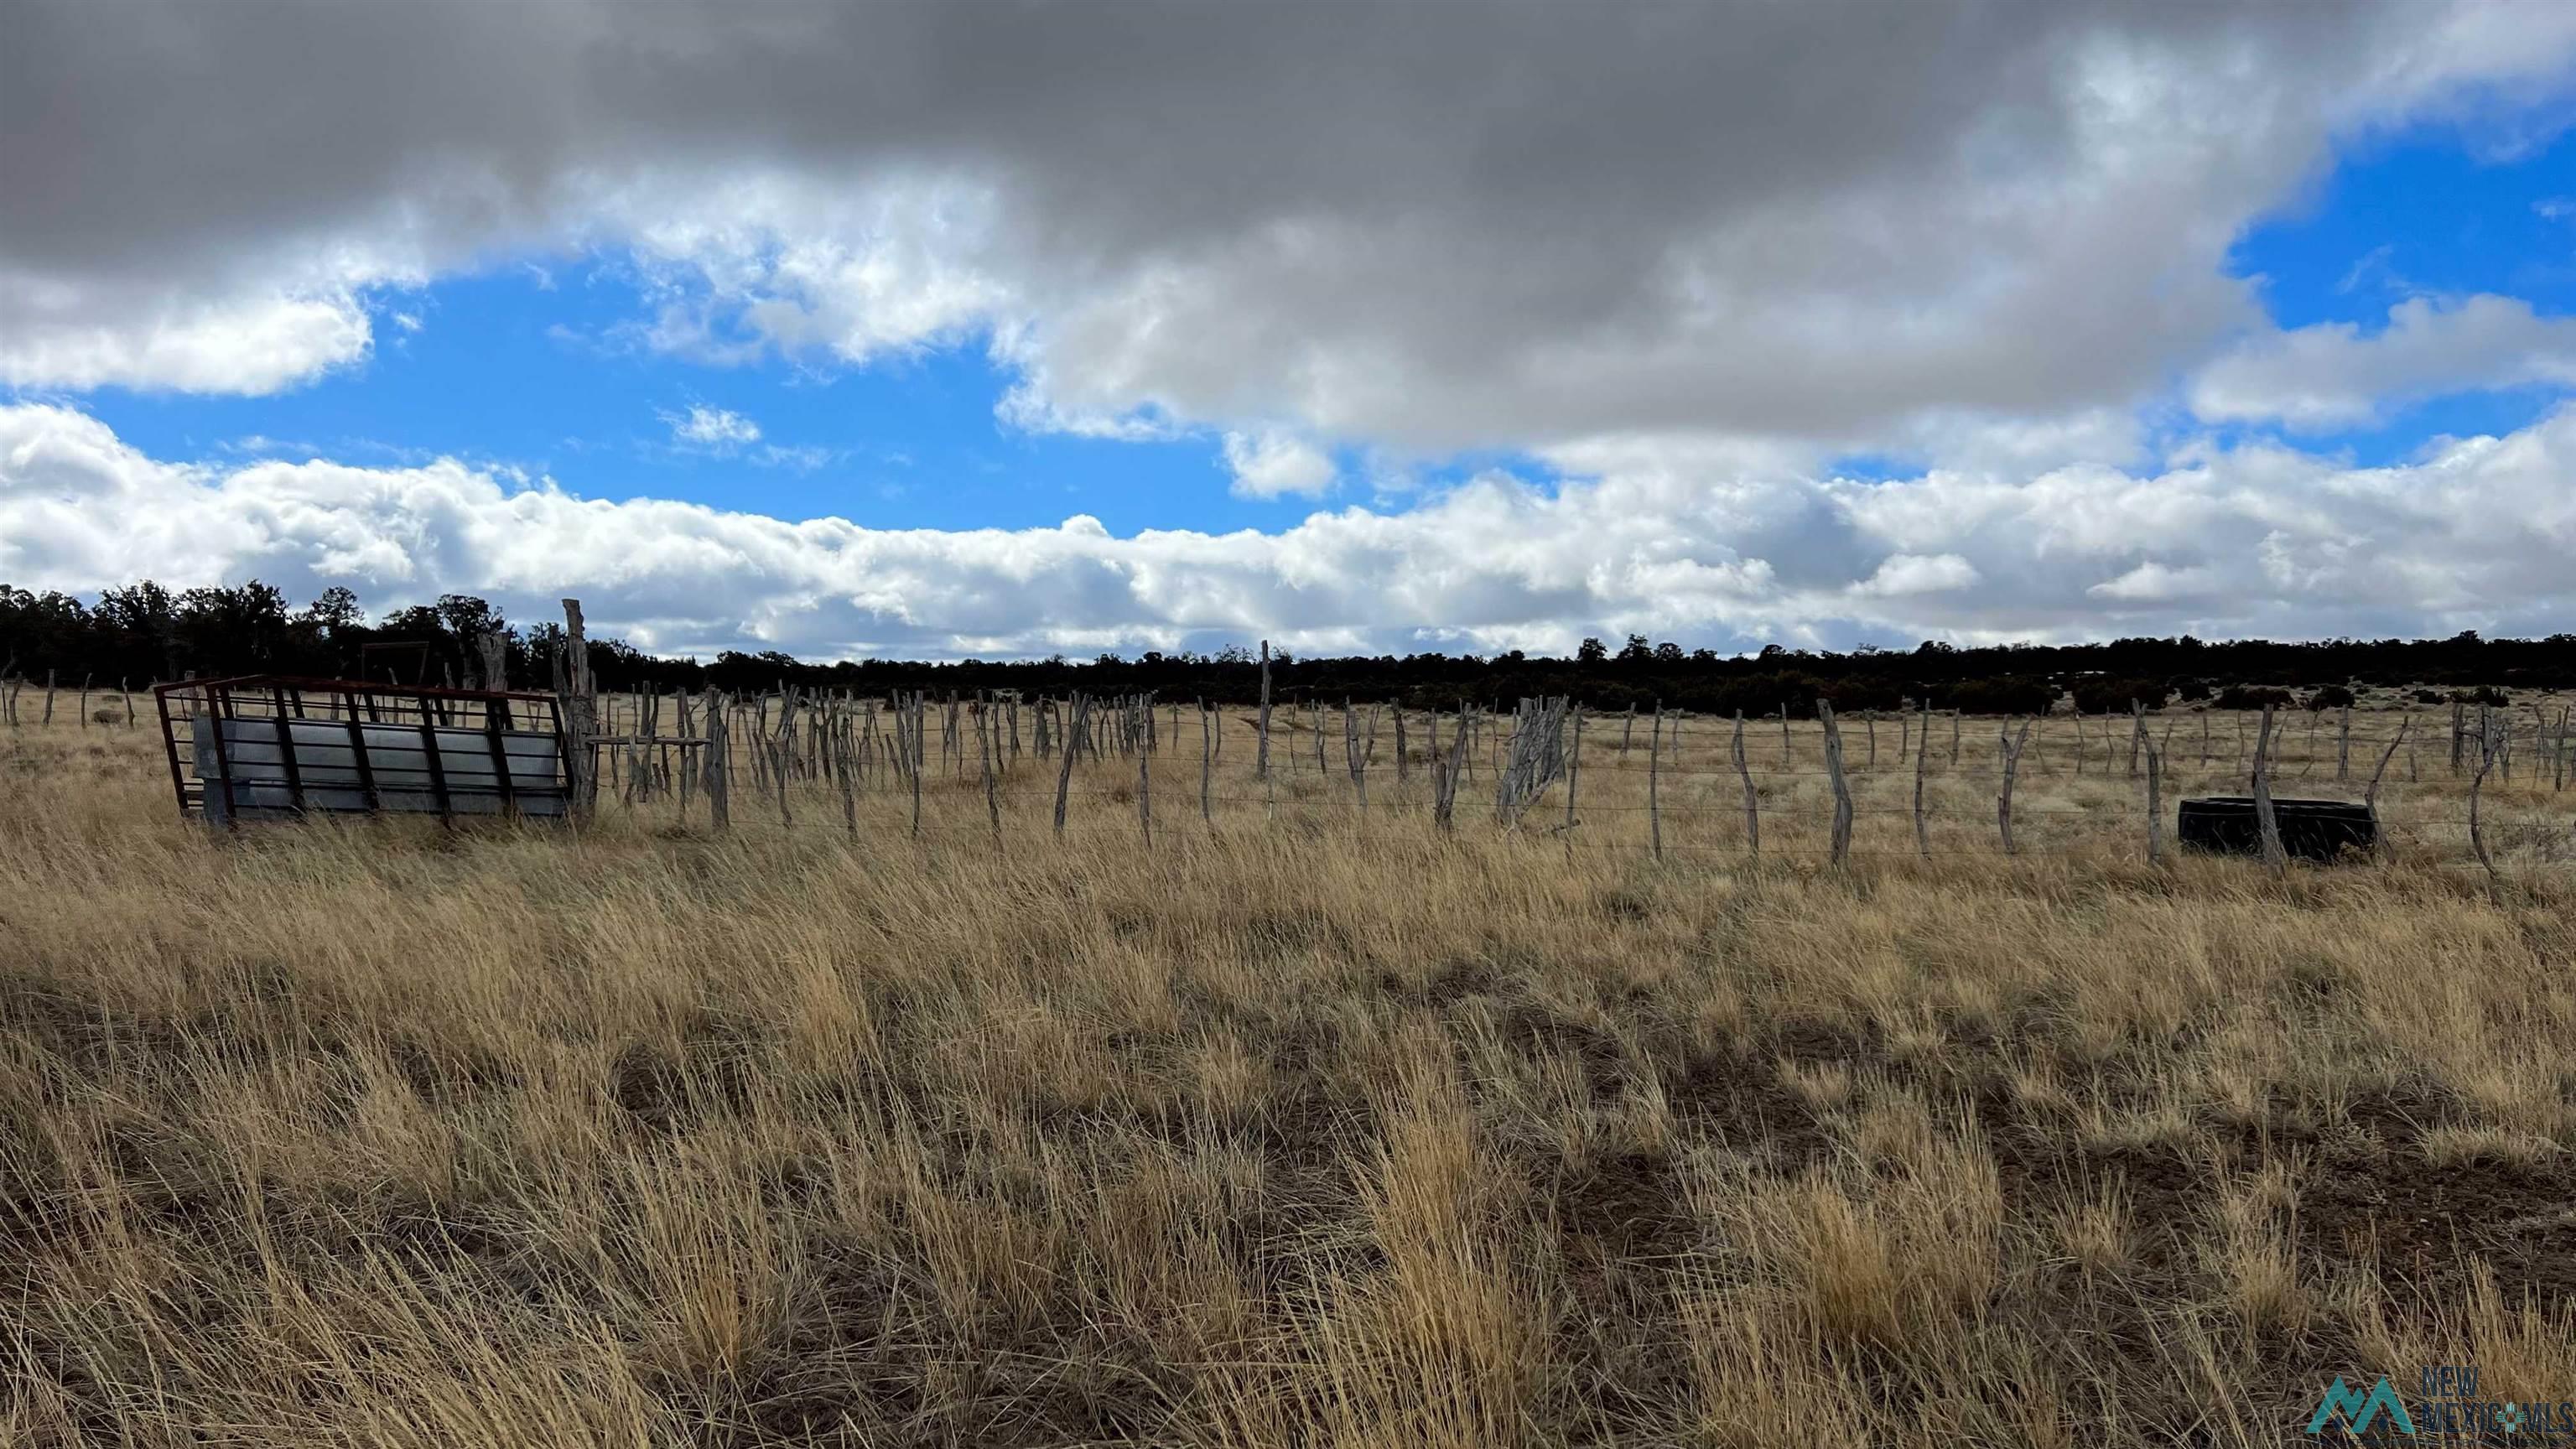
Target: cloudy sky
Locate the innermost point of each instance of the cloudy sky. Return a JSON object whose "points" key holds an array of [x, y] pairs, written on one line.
{"points": [[982, 328]]}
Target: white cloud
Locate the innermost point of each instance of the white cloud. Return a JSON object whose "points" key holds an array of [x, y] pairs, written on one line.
{"points": [[1270, 463], [2330, 375], [1417, 227], [720, 429], [75, 338], [1904, 574], [2250, 541]]}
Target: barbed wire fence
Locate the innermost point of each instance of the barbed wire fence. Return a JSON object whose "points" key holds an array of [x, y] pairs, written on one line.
{"points": [[1950, 784]]}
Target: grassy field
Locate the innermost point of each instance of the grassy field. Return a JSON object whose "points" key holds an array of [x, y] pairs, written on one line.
{"points": [[1302, 1127]]}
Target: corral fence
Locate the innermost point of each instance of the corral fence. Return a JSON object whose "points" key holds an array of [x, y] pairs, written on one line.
{"points": [[283, 746]]}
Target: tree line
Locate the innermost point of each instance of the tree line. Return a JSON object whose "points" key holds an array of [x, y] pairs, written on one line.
{"points": [[144, 632]]}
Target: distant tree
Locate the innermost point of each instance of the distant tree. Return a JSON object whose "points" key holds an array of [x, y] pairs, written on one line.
{"points": [[1591, 651]]}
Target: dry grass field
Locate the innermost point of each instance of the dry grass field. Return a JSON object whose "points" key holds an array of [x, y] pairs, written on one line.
{"points": [[1301, 1128]]}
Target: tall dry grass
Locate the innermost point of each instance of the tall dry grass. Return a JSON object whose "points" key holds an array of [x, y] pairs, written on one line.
{"points": [[1303, 1129]]}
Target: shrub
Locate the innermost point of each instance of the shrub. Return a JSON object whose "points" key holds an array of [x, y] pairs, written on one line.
{"points": [[2428, 696], [2483, 694], [2191, 689], [2331, 696], [2101, 695], [2252, 696]]}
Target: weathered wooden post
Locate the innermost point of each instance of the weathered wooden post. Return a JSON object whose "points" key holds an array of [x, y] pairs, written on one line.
{"points": [[2487, 752], [2010, 746], [1207, 763], [717, 770], [988, 748], [573, 688], [2155, 804], [2343, 746], [1922, 833], [1840, 849], [1065, 753], [1654, 802], [1752, 800], [49, 696], [2370, 796], [1351, 753], [2275, 859], [1574, 767]]}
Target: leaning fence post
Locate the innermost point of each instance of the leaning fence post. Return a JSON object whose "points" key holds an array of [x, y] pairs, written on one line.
{"points": [[2275, 859], [1841, 846], [2370, 796], [1065, 756], [2010, 748], [2487, 752]]}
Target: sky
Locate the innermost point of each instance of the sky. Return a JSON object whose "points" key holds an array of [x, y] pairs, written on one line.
{"points": [[948, 328]]}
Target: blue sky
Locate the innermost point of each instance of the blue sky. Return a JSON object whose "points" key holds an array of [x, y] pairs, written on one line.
{"points": [[2122, 321]]}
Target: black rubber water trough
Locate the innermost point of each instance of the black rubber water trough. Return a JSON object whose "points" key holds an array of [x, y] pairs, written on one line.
{"points": [[2310, 829]]}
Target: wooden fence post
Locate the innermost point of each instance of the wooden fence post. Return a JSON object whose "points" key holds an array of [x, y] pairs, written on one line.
{"points": [[1207, 763], [581, 715], [2155, 804], [2012, 761], [1573, 767], [2010, 748], [2275, 859], [1922, 832], [1752, 801], [2487, 752], [2343, 746], [1654, 769], [2370, 796], [1841, 846], [716, 773], [1064, 762], [988, 747], [1261, 754], [1145, 787]]}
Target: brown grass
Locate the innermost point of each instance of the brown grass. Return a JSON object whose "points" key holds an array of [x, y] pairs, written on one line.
{"points": [[1301, 1130]]}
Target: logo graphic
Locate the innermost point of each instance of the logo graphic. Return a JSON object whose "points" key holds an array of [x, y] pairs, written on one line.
{"points": [[2358, 1412]]}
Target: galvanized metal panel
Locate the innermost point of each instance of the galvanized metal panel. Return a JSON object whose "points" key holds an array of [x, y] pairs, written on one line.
{"points": [[248, 777]]}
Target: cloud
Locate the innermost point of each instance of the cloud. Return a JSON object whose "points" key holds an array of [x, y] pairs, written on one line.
{"points": [[88, 338], [2331, 375], [1271, 463], [2255, 540], [718, 429], [1425, 227]]}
